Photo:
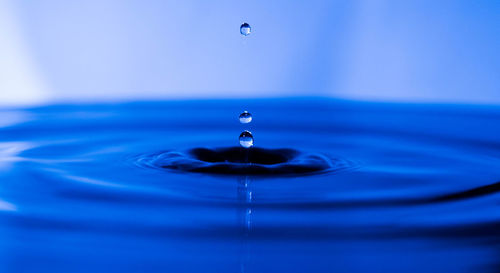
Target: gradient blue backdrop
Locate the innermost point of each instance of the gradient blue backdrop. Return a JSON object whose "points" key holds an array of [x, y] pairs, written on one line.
{"points": [[435, 51]]}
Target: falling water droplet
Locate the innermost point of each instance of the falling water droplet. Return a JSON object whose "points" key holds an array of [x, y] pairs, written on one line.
{"points": [[246, 139], [245, 29], [245, 117]]}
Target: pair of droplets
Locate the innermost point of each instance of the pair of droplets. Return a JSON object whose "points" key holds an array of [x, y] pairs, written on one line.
{"points": [[246, 137]]}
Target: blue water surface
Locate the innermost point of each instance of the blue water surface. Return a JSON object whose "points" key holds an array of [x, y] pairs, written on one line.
{"points": [[421, 193]]}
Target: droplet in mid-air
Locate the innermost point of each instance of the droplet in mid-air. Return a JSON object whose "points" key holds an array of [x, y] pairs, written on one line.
{"points": [[246, 139], [245, 117], [245, 29]]}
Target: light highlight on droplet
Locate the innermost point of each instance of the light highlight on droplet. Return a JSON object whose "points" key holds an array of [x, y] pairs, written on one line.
{"points": [[246, 139], [245, 117], [245, 29]]}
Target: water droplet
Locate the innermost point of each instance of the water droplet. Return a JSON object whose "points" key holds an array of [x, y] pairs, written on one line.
{"points": [[245, 29], [246, 139], [245, 117]]}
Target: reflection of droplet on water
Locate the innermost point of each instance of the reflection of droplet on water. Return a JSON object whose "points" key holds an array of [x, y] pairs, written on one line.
{"points": [[246, 139], [245, 117], [245, 29]]}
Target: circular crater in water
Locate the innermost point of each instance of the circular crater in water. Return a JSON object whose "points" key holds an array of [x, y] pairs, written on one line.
{"points": [[241, 161]]}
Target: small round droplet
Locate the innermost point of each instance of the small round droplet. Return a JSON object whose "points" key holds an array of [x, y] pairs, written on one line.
{"points": [[245, 29], [245, 117], [246, 139]]}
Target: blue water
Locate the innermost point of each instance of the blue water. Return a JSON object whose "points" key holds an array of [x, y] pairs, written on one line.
{"points": [[420, 194]]}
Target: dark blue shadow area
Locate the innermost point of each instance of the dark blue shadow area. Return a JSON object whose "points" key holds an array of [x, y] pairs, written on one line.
{"points": [[112, 187]]}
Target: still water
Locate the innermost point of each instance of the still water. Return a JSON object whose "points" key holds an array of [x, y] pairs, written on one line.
{"points": [[408, 188]]}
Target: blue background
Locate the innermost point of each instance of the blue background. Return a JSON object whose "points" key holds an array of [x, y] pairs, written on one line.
{"points": [[434, 51]]}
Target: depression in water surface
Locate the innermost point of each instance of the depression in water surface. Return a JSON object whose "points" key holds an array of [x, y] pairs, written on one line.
{"points": [[151, 186]]}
